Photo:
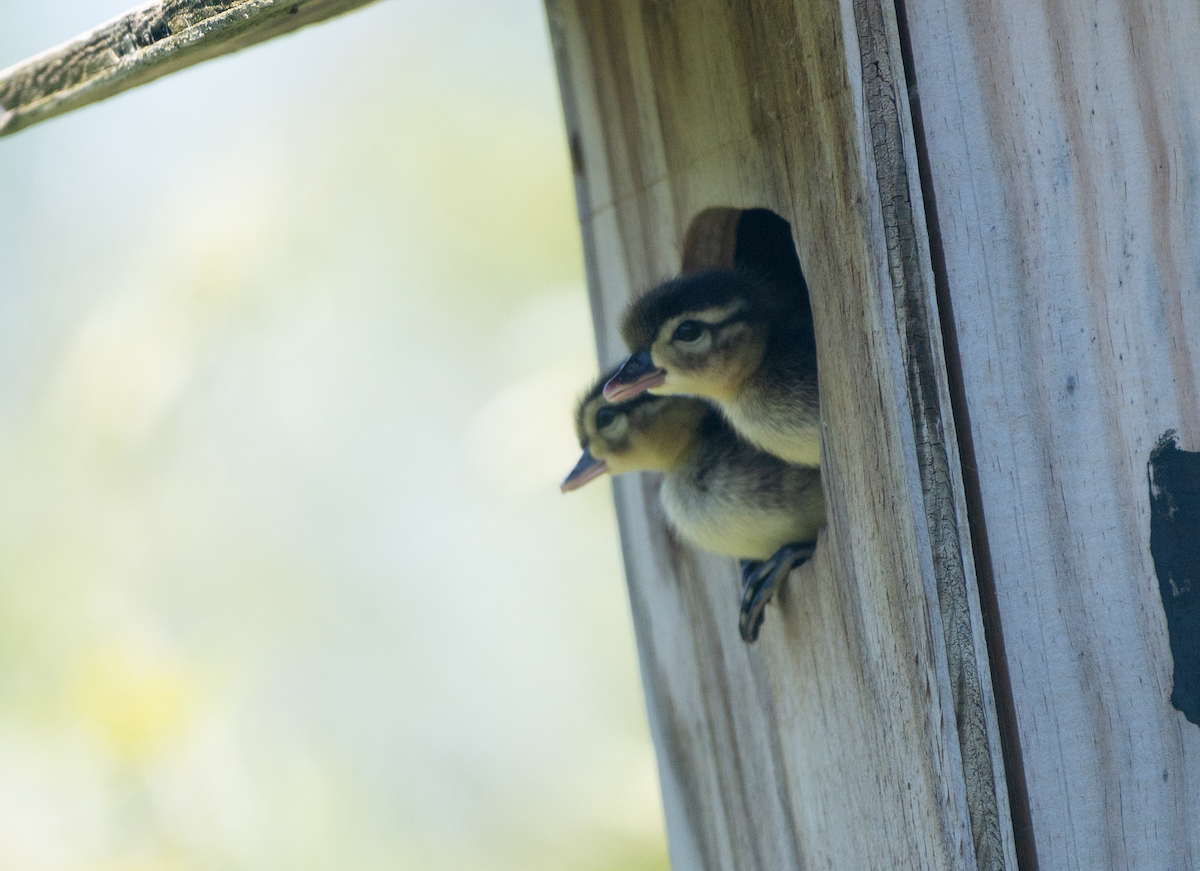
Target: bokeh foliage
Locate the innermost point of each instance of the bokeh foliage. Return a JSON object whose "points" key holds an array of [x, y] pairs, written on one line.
{"points": [[287, 347]]}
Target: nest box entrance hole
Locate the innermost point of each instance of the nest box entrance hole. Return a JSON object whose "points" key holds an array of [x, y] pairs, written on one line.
{"points": [[754, 240]]}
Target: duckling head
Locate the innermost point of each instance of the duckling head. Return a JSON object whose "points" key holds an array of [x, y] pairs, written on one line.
{"points": [[701, 335], [646, 433]]}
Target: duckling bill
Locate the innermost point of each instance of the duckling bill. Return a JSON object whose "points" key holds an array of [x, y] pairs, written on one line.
{"points": [[587, 469], [718, 492], [734, 338]]}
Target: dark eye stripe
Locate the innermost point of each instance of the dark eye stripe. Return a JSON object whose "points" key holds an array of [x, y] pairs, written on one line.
{"points": [[733, 318], [641, 399]]}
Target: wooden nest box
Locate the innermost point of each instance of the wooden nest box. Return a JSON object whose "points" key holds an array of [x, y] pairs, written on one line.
{"points": [[991, 663]]}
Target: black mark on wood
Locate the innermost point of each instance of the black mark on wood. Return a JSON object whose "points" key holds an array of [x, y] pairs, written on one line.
{"points": [[1175, 546]]}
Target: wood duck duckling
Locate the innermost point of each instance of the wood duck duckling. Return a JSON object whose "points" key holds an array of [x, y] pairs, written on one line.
{"points": [[737, 339], [719, 492]]}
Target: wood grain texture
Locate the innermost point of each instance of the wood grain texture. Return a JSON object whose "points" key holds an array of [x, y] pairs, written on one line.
{"points": [[859, 733], [143, 44], [1064, 153]]}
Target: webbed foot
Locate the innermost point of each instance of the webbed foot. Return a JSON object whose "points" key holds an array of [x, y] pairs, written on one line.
{"points": [[760, 580]]}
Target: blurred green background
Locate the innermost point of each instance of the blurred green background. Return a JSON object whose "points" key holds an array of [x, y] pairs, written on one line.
{"points": [[288, 345]]}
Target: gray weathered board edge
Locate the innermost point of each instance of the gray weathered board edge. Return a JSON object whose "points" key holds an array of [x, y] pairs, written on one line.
{"points": [[142, 45], [902, 215]]}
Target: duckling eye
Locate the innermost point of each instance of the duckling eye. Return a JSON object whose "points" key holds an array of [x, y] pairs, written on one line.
{"points": [[689, 331], [604, 416]]}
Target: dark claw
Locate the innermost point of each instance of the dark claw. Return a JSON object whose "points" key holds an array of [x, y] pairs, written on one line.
{"points": [[761, 580], [748, 567]]}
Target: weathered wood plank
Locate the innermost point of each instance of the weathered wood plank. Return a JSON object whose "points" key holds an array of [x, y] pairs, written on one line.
{"points": [[1062, 143], [143, 44], [835, 741]]}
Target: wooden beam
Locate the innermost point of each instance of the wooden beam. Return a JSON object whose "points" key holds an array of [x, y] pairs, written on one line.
{"points": [[143, 44], [1062, 141], [860, 731]]}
